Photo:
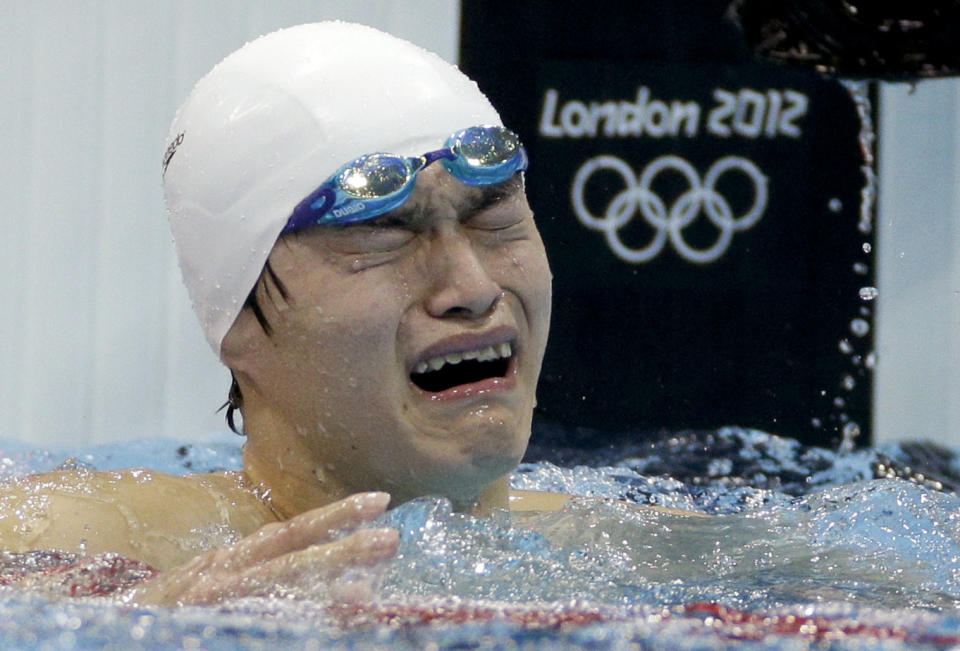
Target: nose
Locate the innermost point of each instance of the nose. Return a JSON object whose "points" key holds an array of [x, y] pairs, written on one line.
{"points": [[461, 284]]}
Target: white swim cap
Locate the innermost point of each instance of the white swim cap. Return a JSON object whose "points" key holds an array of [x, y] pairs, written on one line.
{"points": [[273, 121]]}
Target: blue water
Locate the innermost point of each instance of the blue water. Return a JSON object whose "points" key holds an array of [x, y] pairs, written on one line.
{"points": [[869, 538]]}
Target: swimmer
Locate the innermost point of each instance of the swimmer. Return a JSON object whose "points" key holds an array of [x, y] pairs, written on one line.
{"points": [[351, 223]]}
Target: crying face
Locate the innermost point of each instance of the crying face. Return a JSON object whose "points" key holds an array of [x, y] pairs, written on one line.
{"points": [[410, 345]]}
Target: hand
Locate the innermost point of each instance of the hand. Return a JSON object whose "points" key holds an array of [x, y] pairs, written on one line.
{"points": [[304, 556]]}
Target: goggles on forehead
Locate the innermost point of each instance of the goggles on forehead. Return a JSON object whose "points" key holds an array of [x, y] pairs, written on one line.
{"points": [[374, 184]]}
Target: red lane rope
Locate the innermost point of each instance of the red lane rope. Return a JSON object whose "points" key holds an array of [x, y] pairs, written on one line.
{"points": [[110, 573]]}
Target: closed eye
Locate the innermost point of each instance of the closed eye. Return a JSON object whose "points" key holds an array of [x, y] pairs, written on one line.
{"points": [[491, 196], [497, 220], [379, 235], [499, 207]]}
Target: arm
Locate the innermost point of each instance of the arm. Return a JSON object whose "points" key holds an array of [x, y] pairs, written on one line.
{"points": [[156, 518], [298, 557], [210, 533], [546, 501]]}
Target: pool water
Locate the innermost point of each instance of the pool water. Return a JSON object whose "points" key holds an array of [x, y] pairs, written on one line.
{"points": [[808, 548]]}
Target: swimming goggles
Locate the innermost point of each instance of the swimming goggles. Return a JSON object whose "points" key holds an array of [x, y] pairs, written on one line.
{"points": [[374, 184]]}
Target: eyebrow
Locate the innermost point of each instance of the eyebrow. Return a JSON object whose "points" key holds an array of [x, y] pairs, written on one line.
{"points": [[491, 195], [475, 202]]}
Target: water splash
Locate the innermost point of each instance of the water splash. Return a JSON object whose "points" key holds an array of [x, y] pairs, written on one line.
{"points": [[797, 555]]}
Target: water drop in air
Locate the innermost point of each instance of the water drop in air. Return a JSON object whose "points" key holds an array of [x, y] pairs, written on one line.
{"points": [[867, 248], [859, 327], [868, 293], [851, 430]]}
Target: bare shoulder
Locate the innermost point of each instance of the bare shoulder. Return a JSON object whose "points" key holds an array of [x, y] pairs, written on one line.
{"points": [[537, 500], [546, 501], [154, 517]]}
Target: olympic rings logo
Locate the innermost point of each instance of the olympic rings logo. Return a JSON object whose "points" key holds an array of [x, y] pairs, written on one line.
{"points": [[670, 222]]}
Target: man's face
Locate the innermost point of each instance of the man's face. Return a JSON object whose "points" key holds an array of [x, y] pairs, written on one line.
{"points": [[407, 352]]}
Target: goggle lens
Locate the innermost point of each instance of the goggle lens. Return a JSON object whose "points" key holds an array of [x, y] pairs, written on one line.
{"points": [[374, 176], [377, 183], [485, 146]]}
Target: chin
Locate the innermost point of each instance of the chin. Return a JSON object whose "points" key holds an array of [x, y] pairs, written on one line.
{"points": [[464, 478], [499, 443], [494, 460]]}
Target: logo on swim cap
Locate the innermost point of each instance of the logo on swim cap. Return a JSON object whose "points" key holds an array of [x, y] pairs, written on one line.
{"points": [[171, 150]]}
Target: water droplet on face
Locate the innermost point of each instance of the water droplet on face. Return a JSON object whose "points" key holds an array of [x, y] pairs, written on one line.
{"points": [[867, 248], [835, 205], [859, 327], [868, 293]]}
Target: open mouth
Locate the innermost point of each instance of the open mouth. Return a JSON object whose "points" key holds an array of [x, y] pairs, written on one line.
{"points": [[447, 371]]}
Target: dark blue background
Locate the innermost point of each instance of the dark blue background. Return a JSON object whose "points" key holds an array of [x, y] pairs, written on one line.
{"points": [[752, 339]]}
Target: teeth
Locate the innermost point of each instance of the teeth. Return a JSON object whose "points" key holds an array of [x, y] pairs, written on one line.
{"points": [[486, 354], [482, 355]]}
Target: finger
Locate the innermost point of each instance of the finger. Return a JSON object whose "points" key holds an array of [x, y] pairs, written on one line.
{"points": [[307, 572], [313, 527], [310, 571]]}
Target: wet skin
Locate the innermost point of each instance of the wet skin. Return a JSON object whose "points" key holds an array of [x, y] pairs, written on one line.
{"points": [[331, 408], [329, 405]]}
